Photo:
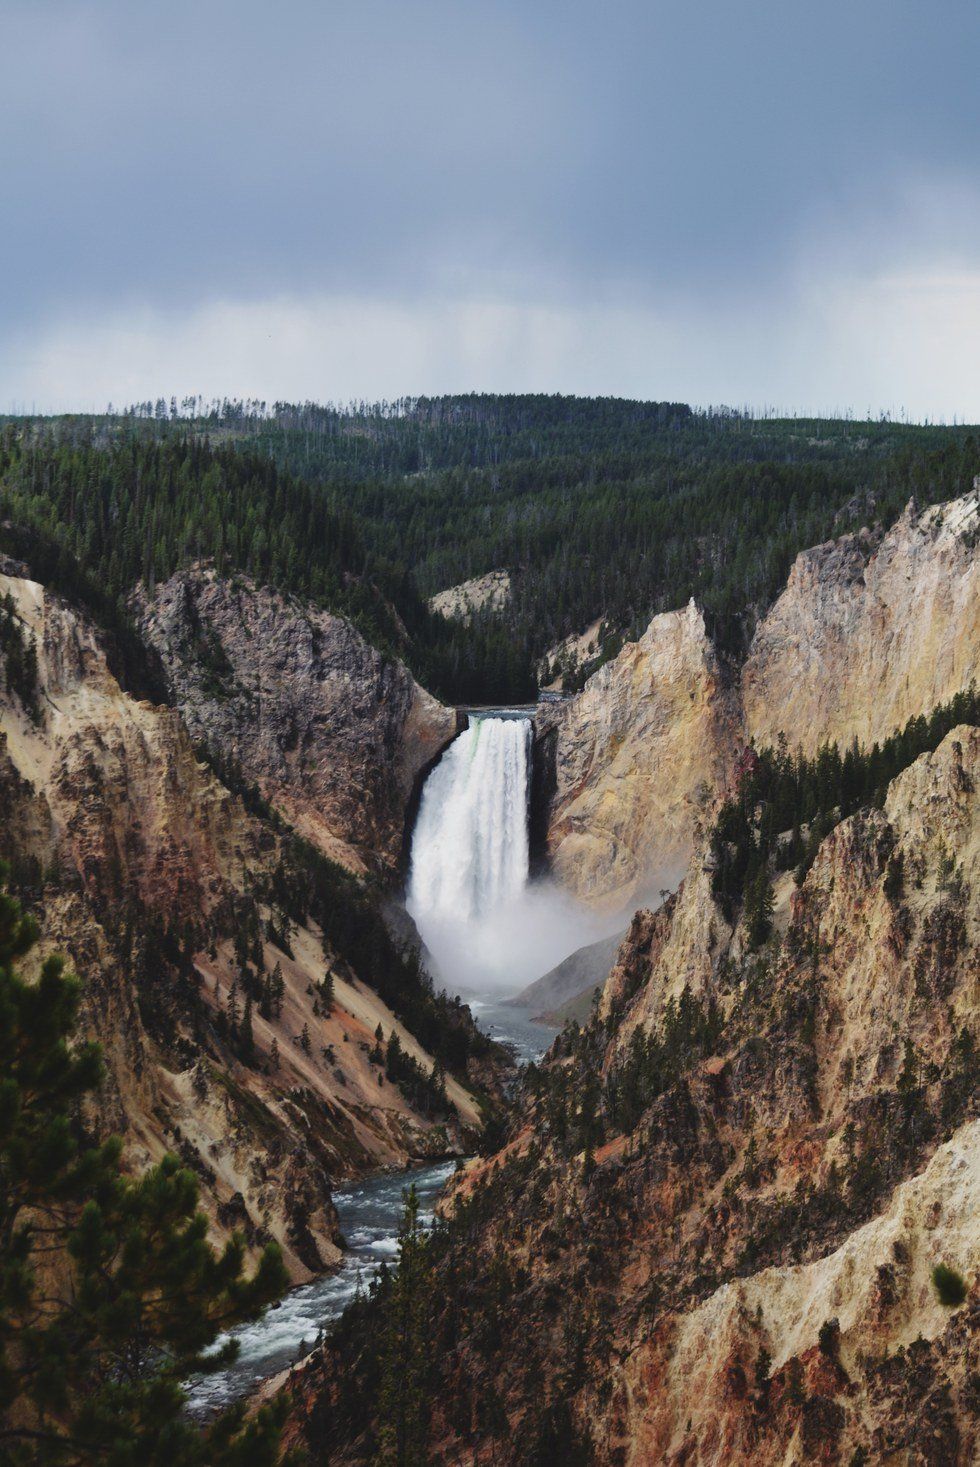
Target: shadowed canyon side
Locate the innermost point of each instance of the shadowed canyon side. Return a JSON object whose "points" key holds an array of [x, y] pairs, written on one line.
{"points": [[235, 979], [869, 632], [712, 1233], [334, 734]]}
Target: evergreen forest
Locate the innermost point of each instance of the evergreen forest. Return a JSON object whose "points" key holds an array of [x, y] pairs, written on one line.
{"points": [[600, 509]]}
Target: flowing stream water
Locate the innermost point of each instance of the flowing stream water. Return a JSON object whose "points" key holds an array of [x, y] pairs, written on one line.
{"points": [[469, 876], [369, 1212]]}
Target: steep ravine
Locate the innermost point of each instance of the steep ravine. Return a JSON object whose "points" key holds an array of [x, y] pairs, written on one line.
{"points": [[161, 889]]}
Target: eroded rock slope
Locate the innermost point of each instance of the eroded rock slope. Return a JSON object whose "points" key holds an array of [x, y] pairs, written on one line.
{"points": [[181, 911], [334, 734], [712, 1235]]}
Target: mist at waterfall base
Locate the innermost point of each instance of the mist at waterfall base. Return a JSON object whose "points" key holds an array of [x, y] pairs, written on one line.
{"points": [[488, 929]]}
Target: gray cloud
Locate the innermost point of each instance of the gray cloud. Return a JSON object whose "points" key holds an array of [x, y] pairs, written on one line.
{"points": [[432, 184]]}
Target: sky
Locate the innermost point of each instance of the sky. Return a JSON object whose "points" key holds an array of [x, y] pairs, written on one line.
{"points": [[766, 203]]}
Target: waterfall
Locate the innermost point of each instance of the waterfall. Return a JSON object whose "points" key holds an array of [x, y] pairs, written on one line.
{"points": [[470, 846], [487, 929]]}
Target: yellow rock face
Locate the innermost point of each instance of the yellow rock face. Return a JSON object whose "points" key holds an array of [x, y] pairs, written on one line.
{"points": [[863, 638], [636, 754], [861, 642]]}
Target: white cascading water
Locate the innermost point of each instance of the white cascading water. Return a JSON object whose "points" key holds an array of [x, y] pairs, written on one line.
{"points": [[470, 847], [488, 930]]}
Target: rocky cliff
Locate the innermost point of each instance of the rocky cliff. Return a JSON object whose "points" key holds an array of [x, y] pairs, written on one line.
{"points": [[869, 632], [713, 1232], [867, 635], [635, 754], [334, 734], [181, 910]]}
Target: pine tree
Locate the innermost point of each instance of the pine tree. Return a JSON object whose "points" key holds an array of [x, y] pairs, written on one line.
{"points": [[91, 1363], [759, 909], [437, 1084], [393, 1057], [277, 988], [403, 1397], [274, 1060], [234, 1015], [246, 1038]]}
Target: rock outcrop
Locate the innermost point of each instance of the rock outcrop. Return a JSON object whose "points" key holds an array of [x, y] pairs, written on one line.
{"points": [[334, 734], [489, 592], [575, 978], [869, 632], [159, 886], [635, 755], [866, 636]]}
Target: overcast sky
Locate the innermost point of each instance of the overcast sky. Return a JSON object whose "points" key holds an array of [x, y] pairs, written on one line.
{"points": [[763, 202]]}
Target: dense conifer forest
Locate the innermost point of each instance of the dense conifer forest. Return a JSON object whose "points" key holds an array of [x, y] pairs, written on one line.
{"points": [[599, 508]]}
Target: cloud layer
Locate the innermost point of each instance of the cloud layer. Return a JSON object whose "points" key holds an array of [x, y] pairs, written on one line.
{"points": [[753, 204]]}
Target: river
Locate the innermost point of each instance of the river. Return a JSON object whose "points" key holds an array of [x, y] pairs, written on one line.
{"points": [[469, 893], [370, 1212]]}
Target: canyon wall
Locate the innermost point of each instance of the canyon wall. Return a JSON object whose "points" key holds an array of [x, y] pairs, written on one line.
{"points": [[160, 888], [867, 636], [636, 755], [740, 1267], [334, 734], [856, 1097], [869, 632]]}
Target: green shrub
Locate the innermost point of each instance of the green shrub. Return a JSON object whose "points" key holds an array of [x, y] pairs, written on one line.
{"points": [[949, 1285]]}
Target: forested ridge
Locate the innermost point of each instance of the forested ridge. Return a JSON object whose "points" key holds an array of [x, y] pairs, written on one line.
{"points": [[599, 508]]}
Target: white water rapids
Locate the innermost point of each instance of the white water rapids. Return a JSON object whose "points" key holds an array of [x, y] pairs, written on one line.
{"points": [[487, 928]]}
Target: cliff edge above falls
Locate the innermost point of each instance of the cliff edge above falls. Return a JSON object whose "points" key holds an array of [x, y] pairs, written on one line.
{"points": [[334, 734], [869, 632]]}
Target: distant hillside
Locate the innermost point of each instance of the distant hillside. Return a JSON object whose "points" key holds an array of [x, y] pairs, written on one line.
{"points": [[598, 508]]}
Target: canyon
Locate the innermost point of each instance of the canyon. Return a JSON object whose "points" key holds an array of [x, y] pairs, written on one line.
{"points": [[704, 1226], [160, 887], [742, 1271]]}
